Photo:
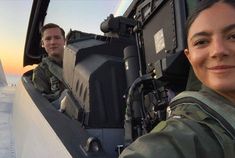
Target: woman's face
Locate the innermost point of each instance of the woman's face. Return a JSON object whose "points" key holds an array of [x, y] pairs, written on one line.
{"points": [[211, 48]]}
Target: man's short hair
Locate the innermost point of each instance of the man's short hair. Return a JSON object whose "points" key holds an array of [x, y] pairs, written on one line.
{"points": [[51, 25]]}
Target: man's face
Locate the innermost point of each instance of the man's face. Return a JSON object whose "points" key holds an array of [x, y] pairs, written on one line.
{"points": [[53, 42]]}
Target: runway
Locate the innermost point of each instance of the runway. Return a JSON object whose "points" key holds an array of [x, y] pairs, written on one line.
{"points": [[7, 148]]}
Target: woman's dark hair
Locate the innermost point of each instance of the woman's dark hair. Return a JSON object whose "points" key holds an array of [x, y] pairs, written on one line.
{"points": [[202, 5]]}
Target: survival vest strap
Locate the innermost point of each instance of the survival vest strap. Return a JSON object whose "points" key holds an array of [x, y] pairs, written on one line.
{"points": [[209, 105], [54, 69]]}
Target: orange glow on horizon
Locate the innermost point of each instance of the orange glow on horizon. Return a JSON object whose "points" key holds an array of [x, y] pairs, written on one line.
{"points": [[17, 71], [11, 55], [13, 63]]}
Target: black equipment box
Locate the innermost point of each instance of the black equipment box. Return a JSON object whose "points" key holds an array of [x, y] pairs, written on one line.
{"points": [[94, 72], [163, 37]]}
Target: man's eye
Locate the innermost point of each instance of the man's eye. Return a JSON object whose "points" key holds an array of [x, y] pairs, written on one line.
{"points": [[200, 43], [47, 39], [58, 37]]}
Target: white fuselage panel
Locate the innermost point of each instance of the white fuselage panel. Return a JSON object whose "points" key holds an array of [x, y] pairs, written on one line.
{"points": [[34, 137]]}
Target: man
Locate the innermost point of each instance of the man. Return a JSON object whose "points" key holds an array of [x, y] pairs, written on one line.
{"points": [[47, 76]]}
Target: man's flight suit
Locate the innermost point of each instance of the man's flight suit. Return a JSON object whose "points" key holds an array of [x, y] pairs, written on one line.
{"points": [[48, 78]]}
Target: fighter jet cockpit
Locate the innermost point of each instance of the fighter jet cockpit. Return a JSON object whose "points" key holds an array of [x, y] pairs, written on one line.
{"points": [[119, 82]]}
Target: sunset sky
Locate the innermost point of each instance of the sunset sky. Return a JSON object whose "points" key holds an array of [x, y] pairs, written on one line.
{"points": [[14, 15]]}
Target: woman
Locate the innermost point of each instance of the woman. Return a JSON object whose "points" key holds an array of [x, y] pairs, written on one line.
{"points": [[193, 130]]}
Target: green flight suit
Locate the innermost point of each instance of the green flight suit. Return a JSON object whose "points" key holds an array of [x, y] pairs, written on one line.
{"points": [[48, 78], [190, 132]]}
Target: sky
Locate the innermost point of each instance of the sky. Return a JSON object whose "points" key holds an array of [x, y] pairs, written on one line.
{"points": [[14, 15]]}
